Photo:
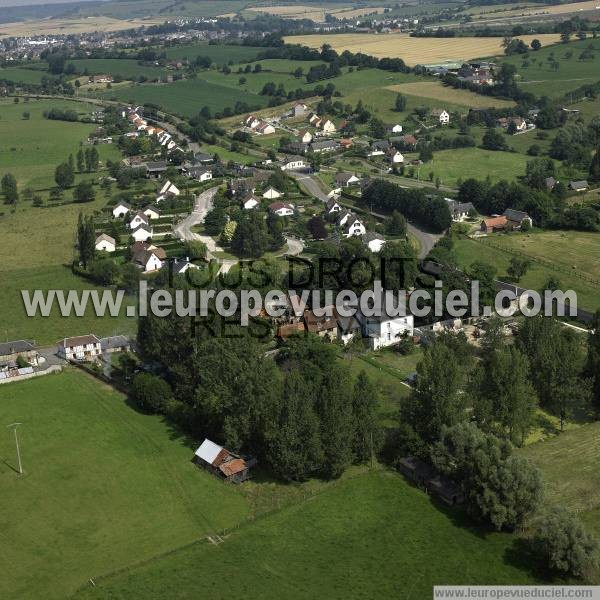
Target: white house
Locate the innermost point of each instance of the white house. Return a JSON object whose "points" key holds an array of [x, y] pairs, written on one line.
{"points": [[327, 126], [299, 109], [332, 207], [251, 201], [441, 115], [151, 213], [384, 330], [105, 243], [272, 194], [251, 121], [169, 188], [139, 219], [264, 128], [143, 233], [306, 137], [346, 179], [281, 209], [120, 210], [291, 163], [394, 128], [396, 157], [373, 241], [181, 265], [83, 347], [149, 260], [354, 227]]}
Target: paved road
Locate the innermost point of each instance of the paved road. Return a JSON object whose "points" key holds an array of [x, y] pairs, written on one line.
{"points": [[426, 239], [204, 202]]}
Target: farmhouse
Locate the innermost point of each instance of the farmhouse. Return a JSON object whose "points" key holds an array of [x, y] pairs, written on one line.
{"points": [[459, 210], [281, 209], [10, 351], [494, 224], [149, 260], [324, 326], [143, 233], [271, 193], [116, 343], [407, 141], [250, 201], [139, 219], [373, 241], [83, 347], [519, 123], [101, 79], [394, 128], [291, 163], [346, 179], [264, 128], [578, 186], [324, 146], [222, 463], [105, 243], [384, 330], [516, 218], [441, 115], [120, 210], [251, 121], [151, 212], [332, 207]]}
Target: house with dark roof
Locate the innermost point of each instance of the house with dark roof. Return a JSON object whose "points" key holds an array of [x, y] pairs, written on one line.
{"points": [[373, 241], [83, 348], [324, 326], [379, 147], [346, 179], [459, 210], [516, 218], [579, 186], [424, 476], [10, 351], [324, 146], [155, 169]]}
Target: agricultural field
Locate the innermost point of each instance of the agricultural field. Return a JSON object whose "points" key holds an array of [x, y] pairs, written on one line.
{"points": [[31, 148], [186, 97], [23, 75], [104, 486], [435, 90], [569, 467], [414, 50], [219, 53], [125, 68], [490, 251], [538, 75], [332, 547], [315, 13]]}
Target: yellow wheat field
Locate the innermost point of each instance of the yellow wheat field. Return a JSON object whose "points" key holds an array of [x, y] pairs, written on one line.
{"points": [[437, 91], [415, 50], [79, 25], [316, 13]]}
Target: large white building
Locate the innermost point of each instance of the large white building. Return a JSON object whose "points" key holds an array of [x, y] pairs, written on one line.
{"points": [[384, 330], [83, 347]]}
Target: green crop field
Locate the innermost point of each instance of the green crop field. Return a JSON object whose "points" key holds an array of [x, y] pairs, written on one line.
{"points": [[187, 97], [569, 464], [22, 75], [539, 76], [104, 487], [372, 536], [126, 68], [31, 149], [218, 53], [588, 294]]}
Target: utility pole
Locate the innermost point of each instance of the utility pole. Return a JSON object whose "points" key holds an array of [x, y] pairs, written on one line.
{"points": [[14, 428]]}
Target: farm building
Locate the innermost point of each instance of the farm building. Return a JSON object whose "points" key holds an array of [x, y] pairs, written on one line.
{"points": [[324, 326], [116, 343], [494, 224], [289, 329], [83, 347], [578, 186], [516, 218], [222, 462], [9, 351]]}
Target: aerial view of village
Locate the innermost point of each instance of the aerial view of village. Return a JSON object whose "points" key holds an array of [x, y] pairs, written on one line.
{"points": [[299, 300]]}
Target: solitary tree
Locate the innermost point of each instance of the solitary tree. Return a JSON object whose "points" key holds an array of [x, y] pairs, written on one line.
{"points": [[400, 105], [86, 243], [9, 188], [64, 176]]}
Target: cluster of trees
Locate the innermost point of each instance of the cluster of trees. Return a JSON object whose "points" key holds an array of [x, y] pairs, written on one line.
{"points": [[58, 114], [299, 414], [319, 72], [547, 209], [8, 185], [253, 236], [575, 142], [430, 211]]}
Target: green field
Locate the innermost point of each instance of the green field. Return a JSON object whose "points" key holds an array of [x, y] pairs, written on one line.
{"points": [[22, 75], [31, 149], [104, 486], [542, 79], [186, 97], [569, 465], [373, 536], [555, 264], [126, 68], [219, 53]]}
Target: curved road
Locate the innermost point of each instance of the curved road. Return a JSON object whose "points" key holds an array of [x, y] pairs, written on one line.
{"points": [[426, 239], [204, 202]]}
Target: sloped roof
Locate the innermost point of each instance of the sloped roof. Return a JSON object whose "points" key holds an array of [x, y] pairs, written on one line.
{"points": [[208, 451]]}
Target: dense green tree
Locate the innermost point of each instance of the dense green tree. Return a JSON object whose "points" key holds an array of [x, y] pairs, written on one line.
{"points": [[80, 161], [150, 392], [84, 192], [215, 220], [195, 249], [561, 540], [396, 224], [517, 268], [9, 188], [500, 488], [485, 274], [592, 366], [594, 171], [493, 140], [367, 433], [104, 271], [64, 176], [400, 104], [86, 239], [317, 228], [251, 238]]}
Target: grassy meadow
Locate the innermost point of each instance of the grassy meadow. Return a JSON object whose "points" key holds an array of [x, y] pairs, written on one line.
{"points": [[23, 75], [104, 486], [219, 53], [126, 68], [371, 536], [31, 148], [469, 251]]}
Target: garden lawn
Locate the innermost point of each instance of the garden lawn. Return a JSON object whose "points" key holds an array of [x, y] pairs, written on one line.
{"points": [[104, 487], [371, 536], [469, 251]]}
